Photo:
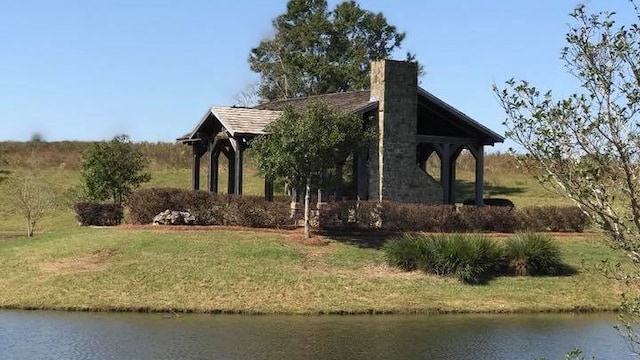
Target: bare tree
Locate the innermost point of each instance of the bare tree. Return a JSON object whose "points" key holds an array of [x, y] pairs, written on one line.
{"points": [[248, 97], [31, 199], [588, 145]]}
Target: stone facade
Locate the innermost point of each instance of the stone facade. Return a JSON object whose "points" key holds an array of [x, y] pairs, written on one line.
{"points": [[393, 170]]}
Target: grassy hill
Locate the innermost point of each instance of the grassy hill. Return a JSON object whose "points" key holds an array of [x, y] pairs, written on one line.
{"points": [[66, 266], [58, 165]]}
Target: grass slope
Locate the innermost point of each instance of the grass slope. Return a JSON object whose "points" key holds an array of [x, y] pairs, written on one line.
{"points": [[266, 272], [215, 270]]}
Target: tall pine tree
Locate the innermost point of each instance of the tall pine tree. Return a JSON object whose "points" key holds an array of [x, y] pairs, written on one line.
{"points": [[316, 51]]}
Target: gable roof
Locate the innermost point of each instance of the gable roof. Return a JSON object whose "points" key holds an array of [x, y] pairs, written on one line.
{"points": [[252, 121], [236, 120], [460, 116]]}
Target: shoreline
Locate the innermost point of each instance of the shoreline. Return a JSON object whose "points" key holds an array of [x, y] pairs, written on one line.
{"points": [[364, 312]]}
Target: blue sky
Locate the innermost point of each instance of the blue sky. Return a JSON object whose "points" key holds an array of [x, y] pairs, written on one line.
{"points": [[92, 69]]}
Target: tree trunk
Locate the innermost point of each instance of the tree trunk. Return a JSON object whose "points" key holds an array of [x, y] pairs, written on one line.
{"points": [[307, 194], [30, 226]]}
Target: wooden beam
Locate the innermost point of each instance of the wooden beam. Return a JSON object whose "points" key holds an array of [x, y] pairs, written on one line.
{"points": [[446, 140]]}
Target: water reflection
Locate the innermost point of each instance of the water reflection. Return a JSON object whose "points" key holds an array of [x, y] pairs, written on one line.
{"points": [[61, 335]]}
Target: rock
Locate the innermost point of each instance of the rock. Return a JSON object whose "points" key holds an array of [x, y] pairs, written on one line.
{"points": [[173, 217]]}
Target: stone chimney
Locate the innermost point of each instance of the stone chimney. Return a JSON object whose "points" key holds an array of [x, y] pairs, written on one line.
{"points": [[393, 170]]}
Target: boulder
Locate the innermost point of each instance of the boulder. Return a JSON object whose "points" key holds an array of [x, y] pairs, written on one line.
{"points": [[173, 217]]}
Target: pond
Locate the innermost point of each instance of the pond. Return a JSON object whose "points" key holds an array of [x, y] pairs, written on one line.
{"points": [[72, 335]]}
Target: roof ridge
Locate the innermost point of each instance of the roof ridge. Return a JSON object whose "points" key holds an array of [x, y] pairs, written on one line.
{"points": [[312, 97]]}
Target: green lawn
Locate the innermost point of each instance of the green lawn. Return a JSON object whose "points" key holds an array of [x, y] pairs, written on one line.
{"points": [[66, 266], [217, 270]]}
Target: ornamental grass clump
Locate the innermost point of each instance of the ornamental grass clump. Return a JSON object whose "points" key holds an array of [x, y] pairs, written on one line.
{"points": [[471, 258], [408, 252], [530, 254]]}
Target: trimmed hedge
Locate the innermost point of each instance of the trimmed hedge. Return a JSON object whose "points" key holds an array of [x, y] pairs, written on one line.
{"points": [[254, 211], [552, 218], [394, 216], [208, 208], [98, 214]]}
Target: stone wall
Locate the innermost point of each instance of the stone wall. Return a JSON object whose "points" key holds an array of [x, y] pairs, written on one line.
{"points": [[393, 171]]}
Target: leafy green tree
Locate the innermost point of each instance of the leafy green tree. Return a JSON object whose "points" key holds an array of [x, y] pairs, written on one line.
{"points": [[301, 146], [113, 170], [316, 51], [587, 146]]}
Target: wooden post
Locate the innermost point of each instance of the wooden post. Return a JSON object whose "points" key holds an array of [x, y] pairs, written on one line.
{"points": [[212, 167], [445, 173], [452, 179], [195, 166], [479, 155], [215, 174], [231, 179], [452, 168], [238, 149]]}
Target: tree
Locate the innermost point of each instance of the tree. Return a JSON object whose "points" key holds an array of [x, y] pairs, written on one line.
{"points": [[112, 170], [316, 51], [301, 146], [587, 146], [30, 198]]}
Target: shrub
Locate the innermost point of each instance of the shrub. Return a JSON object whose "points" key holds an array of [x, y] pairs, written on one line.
{"points": [[395, 216], [336, 215], [552, 218], [419, 217], [350, 214], [254, 211], [533, 254], [489, 218], [93, 213], [208, 208], [144, 204], [472, 259]]}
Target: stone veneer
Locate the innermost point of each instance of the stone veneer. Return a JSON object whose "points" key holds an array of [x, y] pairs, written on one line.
{"points": [[393, 171]]}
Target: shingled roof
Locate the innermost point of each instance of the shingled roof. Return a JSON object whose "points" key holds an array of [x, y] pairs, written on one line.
{"points": [[236, 120], [354, 101], [252, 121]]}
